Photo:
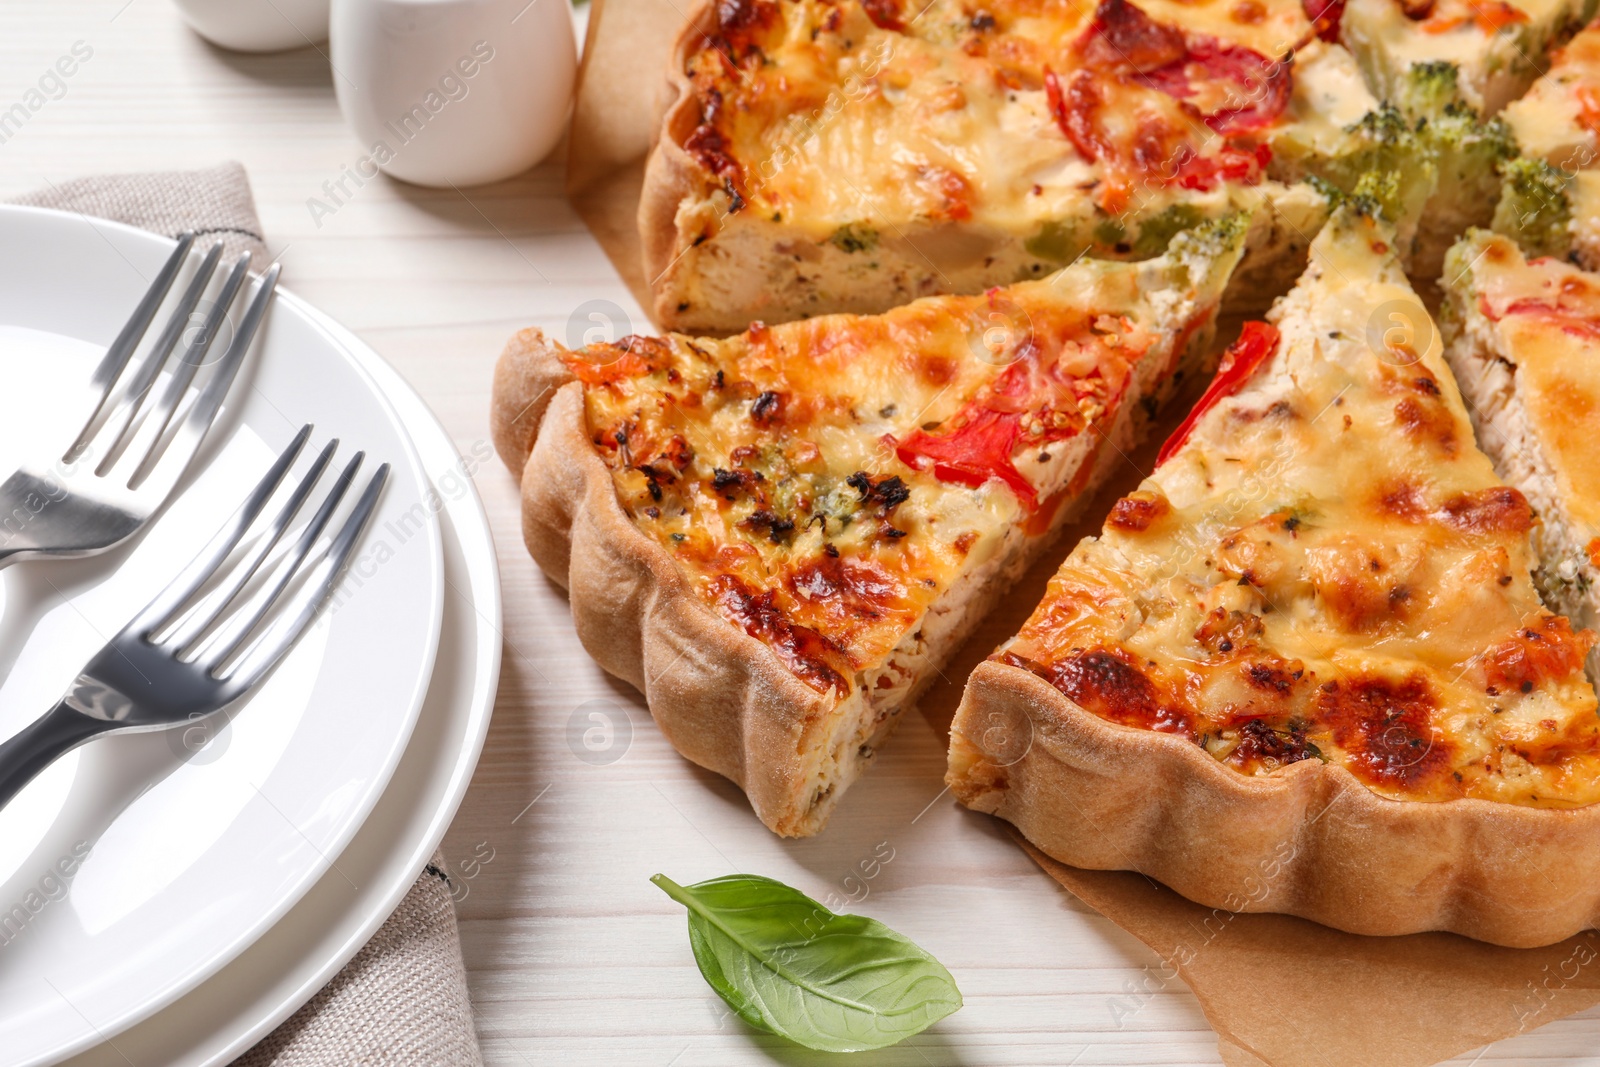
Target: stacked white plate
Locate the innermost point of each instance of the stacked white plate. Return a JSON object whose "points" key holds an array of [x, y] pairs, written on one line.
{"points": [[169, 898]]}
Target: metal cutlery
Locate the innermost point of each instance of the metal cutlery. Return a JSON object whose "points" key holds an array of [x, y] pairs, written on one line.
{"points": [[217, 630], [90, 494]]}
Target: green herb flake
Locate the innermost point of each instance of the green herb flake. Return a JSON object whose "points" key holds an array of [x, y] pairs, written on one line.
{"points": [[854, 237]]}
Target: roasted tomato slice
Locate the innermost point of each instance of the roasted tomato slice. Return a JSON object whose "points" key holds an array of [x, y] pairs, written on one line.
{"points": [[1326, 16], [978, 449], [1577, 317], [1035, 395], [1204, 81], [1254, 89], [1256, 343], [1122, 38]]}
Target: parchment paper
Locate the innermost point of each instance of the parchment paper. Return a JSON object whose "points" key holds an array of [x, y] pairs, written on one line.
{"points": [[620, 82], [1280, 991]]}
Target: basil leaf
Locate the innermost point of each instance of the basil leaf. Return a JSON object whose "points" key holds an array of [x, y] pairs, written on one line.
{"points": [[788, 965]]}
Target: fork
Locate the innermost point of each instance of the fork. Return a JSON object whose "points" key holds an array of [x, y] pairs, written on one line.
{"points": [[61, 505], [184, 657]]}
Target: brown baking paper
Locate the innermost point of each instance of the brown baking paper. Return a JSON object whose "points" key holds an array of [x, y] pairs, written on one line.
{"points": [[1381, 1002], [620, 83]]}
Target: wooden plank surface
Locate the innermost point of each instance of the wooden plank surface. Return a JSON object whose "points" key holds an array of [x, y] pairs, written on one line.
{"points": [[573, 956]]}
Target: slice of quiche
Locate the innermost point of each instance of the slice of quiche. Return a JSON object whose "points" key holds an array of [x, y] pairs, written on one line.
{"points": [[1558, 118], [1551, 201], [1304, 668], [1417, 54], [851, 155], [780, 537], [1524, 341]]}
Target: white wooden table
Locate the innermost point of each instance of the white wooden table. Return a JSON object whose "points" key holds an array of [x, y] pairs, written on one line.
{"points": [[573, 956]]}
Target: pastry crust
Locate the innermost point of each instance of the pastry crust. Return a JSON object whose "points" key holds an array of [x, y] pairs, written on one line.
{"points": [[1310, 840], [721, 697], [671, 176]]}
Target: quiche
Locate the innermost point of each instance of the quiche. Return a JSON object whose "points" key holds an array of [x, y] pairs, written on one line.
{"points": [[1551, 201], [821, 156], [1417, 54], [1524, 341], [780, 536], [1304, 668]]}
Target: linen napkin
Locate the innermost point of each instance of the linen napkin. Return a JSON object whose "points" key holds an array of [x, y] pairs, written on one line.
{"points": [[402, 1001], [214, 202]]}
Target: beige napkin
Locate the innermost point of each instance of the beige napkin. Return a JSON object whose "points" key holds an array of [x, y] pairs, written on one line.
{"points": [[402, 1001], [215, 202]]}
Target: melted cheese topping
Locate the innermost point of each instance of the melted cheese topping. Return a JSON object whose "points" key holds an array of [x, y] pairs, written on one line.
{"points": [[1559, 117], [1329, 568], [844, 123], [822, 483], [1329, 96]]}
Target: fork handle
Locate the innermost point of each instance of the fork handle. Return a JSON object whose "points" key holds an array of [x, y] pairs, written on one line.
{"points": [[40, 743]]}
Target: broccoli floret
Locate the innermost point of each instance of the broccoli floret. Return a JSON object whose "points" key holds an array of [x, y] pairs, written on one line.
{"points": [[1366, 197], [1469, 148], [1057, 242], [1387, 169], [1109, 233], [1375, 191], [1468, 153], [1534, 210], [1384, 126], [1156, 232], [1330, 192], [1431, 87], [1397, 165], [1214, 237], [1458, 129], [1208, 252]]}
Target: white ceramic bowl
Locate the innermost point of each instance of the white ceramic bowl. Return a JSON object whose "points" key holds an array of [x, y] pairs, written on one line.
{"points": [[453, 92], [258, 25]]}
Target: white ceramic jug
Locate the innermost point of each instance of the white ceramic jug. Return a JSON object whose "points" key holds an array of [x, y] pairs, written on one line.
{"points": [[454, 92]]}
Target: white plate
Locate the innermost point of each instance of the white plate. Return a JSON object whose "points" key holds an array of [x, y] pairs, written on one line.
{"points": [[191, 855], [281, 971]]}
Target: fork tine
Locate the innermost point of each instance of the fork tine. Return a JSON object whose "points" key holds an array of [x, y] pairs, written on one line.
{"points": [[190, 359], [227, 641], [192, 432], [307, 601], [110, 367], [184, 634], [205, 564], [127, 408]]}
